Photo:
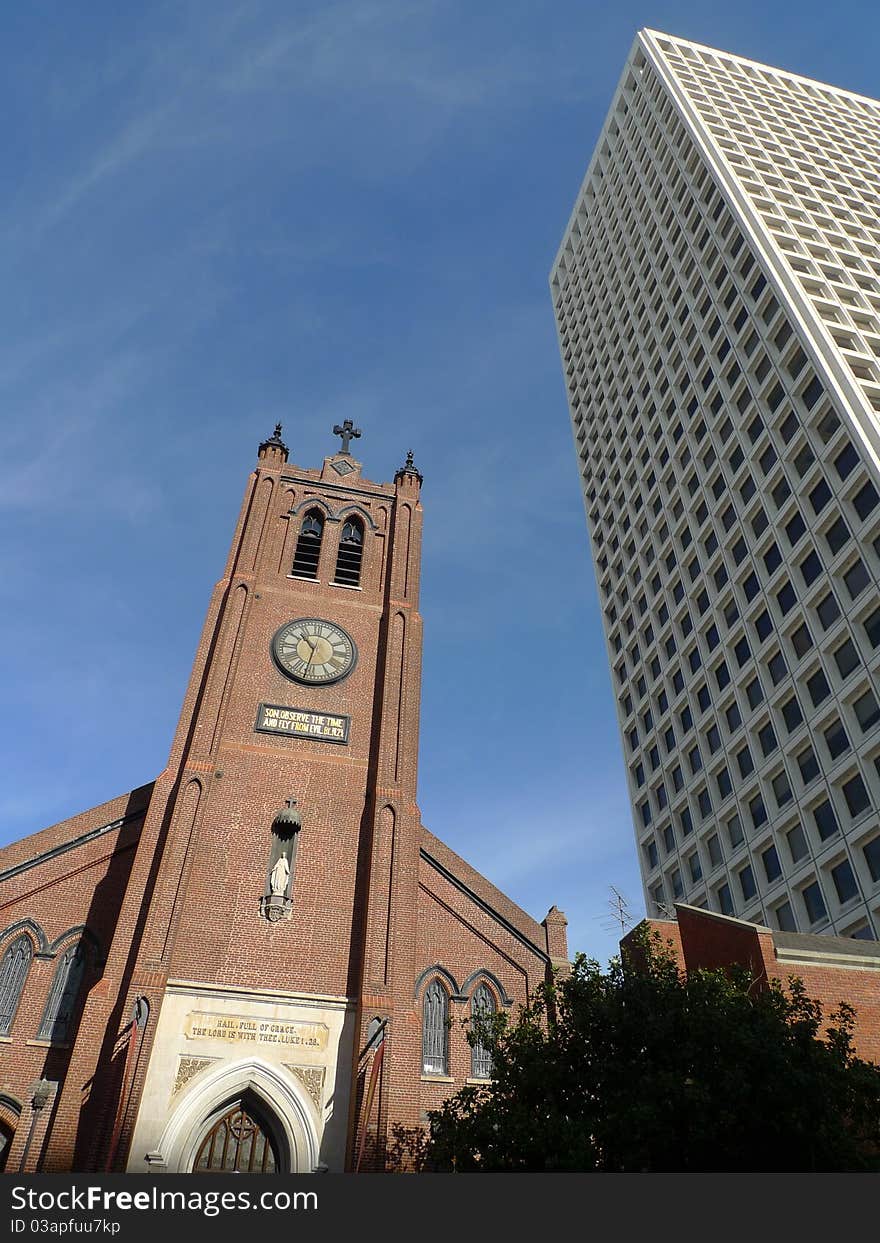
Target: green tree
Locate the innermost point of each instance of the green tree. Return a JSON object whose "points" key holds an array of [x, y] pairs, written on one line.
{"points": [[643, 1069]]}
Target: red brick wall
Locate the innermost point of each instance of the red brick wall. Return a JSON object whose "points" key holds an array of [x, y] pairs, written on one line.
{"points": [[457, 934], [70, 889], [465, 931], [666, 929], [709, 942], [831, 986]]}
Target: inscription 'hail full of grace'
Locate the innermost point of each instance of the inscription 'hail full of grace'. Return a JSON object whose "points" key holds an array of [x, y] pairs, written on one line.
{"points": [[242, 1027]]}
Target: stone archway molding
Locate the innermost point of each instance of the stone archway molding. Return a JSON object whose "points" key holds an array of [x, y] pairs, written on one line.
{"points": [[10, 1113], [279, 1094]]}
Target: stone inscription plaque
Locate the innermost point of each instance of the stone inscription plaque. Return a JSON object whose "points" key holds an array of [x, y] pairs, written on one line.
{"points": [[276, 719], [242, 1027]]}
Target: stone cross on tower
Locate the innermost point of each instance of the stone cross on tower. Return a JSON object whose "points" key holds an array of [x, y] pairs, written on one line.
{"points": [[348, 432]]}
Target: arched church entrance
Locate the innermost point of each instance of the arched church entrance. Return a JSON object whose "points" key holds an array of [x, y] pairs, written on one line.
{"points": [[249, 1117], [240, 1140], [10, 1112], [7, 1131]]}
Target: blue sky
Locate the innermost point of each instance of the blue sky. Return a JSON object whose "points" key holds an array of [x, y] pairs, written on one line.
{"points": [[220, 215]]}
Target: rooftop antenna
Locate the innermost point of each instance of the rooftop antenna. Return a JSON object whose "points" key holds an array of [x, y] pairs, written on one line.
{"points": [[619, 915]]}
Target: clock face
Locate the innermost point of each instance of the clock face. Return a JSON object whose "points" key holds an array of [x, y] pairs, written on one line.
{"points": [[314, 651]]}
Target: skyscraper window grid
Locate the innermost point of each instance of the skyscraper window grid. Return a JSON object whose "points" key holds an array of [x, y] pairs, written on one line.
{"points": [[717, 305]]}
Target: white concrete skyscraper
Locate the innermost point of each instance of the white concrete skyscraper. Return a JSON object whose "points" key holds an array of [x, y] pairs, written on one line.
{"points": [[717, 297]]}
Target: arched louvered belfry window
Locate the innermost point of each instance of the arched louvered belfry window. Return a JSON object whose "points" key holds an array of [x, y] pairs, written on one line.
{"points": [[482, 1004], [63, 994], [308, 545], [14, 967], [351, 553], [435, 1030]]}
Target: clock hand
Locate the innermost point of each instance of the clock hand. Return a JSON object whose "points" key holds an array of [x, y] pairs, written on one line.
{"points": [[313, 647]]}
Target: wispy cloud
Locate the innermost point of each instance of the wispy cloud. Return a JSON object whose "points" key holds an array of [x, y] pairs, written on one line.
{"points": [[523, 829], [136, 138], [201, 85], [391, 45], [543, 848], [57, 438]]}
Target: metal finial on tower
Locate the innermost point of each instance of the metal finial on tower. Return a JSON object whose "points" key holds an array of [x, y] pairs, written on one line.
{"points": [[274, 441], [348, 432], [409, 468]]}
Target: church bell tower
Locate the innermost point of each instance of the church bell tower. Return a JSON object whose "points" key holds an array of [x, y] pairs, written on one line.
{"points": [[263, 926]]}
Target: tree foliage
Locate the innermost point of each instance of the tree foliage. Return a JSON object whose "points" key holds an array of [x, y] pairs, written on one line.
{"points": [[642, 1069]]}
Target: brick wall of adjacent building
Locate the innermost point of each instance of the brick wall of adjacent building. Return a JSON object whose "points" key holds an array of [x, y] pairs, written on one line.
{"points": [[833, 969]]}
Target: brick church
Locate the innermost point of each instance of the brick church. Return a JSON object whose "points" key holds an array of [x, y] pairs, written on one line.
{"points": [[260, 960]]}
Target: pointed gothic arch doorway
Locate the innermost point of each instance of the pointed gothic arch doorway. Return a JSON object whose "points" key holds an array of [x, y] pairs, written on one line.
{"points": [[269, 1096], [7, 1134], [239, 1139]]}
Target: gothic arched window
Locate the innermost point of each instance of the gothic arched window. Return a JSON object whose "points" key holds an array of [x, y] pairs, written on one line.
{"points": [[350, 555], [63, 994], [13, 973], [239, 1142], [482, 1004], [308, 546], [435, 1030]]}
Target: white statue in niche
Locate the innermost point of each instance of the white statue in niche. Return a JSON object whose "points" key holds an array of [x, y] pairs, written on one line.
{"points": [[279, 877]]}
